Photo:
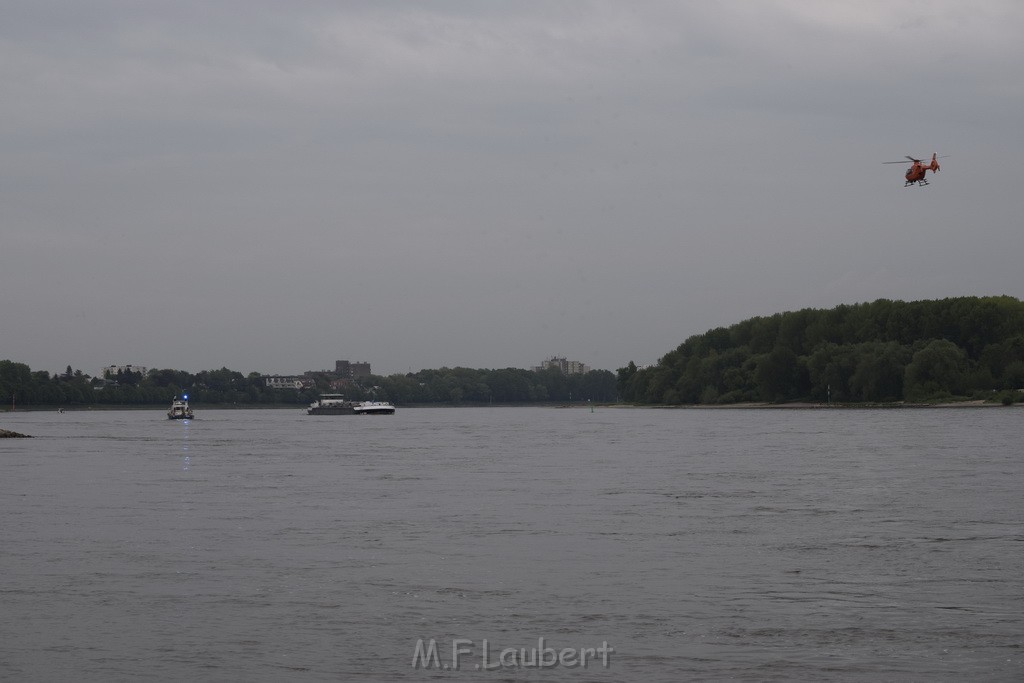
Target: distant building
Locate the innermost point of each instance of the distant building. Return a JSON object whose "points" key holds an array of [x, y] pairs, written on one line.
{"points": [[112, 370], [288, 382], [346, 370], [343, 375], [566, 367]]}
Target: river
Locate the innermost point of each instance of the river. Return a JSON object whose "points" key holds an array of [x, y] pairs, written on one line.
{"points": [[533, 544]]}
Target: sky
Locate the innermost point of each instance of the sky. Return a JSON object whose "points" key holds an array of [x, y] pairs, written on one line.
{"points": [[273, 186]]}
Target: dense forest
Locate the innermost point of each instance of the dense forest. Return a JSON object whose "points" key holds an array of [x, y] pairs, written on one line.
{"points": [[21, 386], [879, 352]]}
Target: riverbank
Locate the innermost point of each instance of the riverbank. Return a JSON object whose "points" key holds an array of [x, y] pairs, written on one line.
{"points": [[152, 406], [838, 406], [752, 405]]}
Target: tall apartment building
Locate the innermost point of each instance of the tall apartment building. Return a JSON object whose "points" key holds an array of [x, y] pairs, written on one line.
{"points": [[566, 367], [346, 370]]}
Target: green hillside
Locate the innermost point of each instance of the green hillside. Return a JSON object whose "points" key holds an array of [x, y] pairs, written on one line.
{"points": [[884, 351]]}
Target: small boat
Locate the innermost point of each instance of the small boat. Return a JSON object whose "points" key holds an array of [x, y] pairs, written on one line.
{"points": [[337, 404], [374, 408], [180, 409]]}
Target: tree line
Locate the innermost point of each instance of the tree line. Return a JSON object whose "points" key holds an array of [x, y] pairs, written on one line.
{"points": [[20, 385], [878, 352]]}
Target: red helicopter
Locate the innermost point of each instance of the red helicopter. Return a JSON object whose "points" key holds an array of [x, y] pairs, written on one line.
{"points": [[918, 169]]}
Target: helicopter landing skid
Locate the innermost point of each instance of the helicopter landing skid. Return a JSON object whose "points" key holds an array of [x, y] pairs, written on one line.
{"points": [[922, 183]]}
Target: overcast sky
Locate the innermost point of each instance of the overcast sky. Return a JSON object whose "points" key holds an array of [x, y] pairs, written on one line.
{"points": [[272, 186]]}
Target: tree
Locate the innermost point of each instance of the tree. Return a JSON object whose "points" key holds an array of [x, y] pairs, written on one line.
{"points": [[509, 385], [937, 370], [879, 373], [597, 385], [854, 352], [779, 375]]}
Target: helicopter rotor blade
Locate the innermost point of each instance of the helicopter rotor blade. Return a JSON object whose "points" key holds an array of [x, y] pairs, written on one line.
{"points": [[911, 160]]}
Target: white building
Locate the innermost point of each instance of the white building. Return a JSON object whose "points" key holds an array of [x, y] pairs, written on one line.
{"points": [[112, 370], [566, 367], [287, 382]]}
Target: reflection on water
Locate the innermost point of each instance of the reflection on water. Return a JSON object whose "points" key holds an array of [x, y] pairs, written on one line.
{"points": [[184, 446]]}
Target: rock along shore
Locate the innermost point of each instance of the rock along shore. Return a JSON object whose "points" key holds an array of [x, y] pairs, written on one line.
{"points": [[6, 434]]}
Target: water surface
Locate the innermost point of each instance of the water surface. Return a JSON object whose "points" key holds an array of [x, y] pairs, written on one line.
{"points": [[267, 545]]}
